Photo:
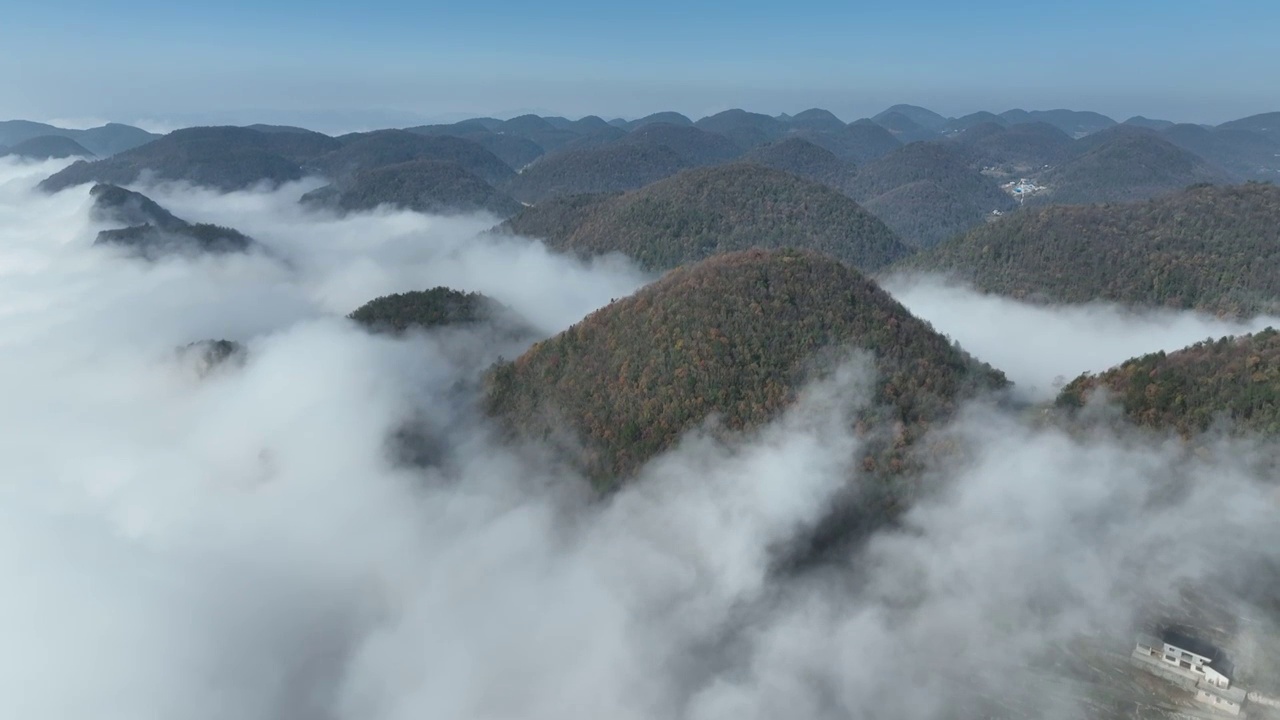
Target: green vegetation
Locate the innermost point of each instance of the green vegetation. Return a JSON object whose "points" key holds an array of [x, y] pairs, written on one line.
{"points": [[706, 211], [1211, 248], [425, 309], [427, 186], [153, 231], [803, 158], [1023, 147], [928, 192], [732, 336], [1233, 378], [367, 151], [47, 147], [1126, 164], [611, 168], [859, 142]]}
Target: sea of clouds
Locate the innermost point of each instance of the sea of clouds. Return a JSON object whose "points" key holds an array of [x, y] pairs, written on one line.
{"points": [[243, 544]]}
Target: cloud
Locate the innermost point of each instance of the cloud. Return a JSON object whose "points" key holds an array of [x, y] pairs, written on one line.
{"points": [[1041, 346], [244, 545]]}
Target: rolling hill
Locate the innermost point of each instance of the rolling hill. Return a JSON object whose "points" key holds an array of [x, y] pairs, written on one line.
{"points": [[47, 147], [708, 211], [816, 119], [1127, 166], [367, 151], [1076, 123], [612, 168], [904, 128], [1210, 248], [927, 192], [152, 232], [1020, 148], [732, 336], [224, 158], [800, 157], [101, 141], [1247, 154], [1235, 380], [427, 309], [427, 186], [919, 116], [745, 129], [859, 142]]}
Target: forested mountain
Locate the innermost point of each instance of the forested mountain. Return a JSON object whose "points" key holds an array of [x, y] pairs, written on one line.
{"points": [[225, 158], [152, 232], [859, 142], [1129, 166], [1023, 147], [981, 117], [612, 168], [101, 141], [46, 147], [1076, 123], [798, 156], [816, 119], [922, 117], [513, 150], [1211, 248], [745, 129], [735, 336], [904, 128], [707, 211], [1235, 380], [927, 192], [670, 118], [428, 186], [1265, 123], [694, 146], [367, 151], [426, 309], [1149, 123], [1245, 153]]}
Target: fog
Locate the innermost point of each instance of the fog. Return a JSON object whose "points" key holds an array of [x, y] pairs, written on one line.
{"points": [[1039, 347], [242, 544]]}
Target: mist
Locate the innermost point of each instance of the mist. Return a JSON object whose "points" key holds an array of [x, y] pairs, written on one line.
{"points": [[243, 544]]}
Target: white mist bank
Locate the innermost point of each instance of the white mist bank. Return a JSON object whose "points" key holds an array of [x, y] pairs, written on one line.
{"points": [[1041, 346], [243, 545]]}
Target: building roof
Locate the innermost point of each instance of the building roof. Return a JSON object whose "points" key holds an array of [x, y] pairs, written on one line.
{"points": [[1217, 659]]}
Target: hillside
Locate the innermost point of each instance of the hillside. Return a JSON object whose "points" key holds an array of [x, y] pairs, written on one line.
{"points": [[745, 129], [224, 158], [151, 232], [367, 151], [922, 117], [927, 192], [46, 147], [858, 142], [816, 119], [1211, 248], [1076, 123], [426, 186], [707, 211], [1020, 148], [1245, 153], [733, 336], [803, 158], [694, 146], [101, 141], [611, 168], [426, 309], [1232, 379], [1129, 166], [1264, 123], [904, 128]]}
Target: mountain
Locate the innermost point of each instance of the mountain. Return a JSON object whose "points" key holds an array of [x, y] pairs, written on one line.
{"points": [[1020, 148], [801, 157], [904, 128], [1149, 123], [1266, 124], [515, 151], [152, 232], [426, 186], [816, 119], [1245, 153], [965, 122], [1128, 166], [425, 309], [733, 336], [927, 192], [745, 129], [707, 211], [207, 356], [1233, 379], [46, 147], [645, 155], [367, 151], [1076, 123], [669, 118], [611, 168], [224, 158], [1209, 248], [922, 117], [861, 141], [100, 141]]}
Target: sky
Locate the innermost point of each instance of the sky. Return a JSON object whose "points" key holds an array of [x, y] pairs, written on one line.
{"points": [[388, 62]]}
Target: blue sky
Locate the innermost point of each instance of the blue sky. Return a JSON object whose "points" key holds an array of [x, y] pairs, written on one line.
{"points": [[349, 63]]}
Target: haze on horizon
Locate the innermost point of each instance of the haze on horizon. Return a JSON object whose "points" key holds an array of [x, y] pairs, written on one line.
{"points": [[339, 66]]}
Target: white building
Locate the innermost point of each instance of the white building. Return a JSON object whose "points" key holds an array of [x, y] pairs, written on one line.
{"points": [[1200, 665]]}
